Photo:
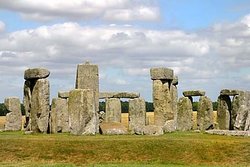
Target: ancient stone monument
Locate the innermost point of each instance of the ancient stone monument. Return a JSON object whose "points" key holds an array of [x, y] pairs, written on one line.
{"points": [[113, 110], [82, 114], [137, 115], [184, 114], [14, 117], [162, 95], [87, 77], [205, 114], [36, 99]]}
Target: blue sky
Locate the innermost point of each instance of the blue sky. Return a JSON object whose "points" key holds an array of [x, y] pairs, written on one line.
{"points": [[206, 43]]}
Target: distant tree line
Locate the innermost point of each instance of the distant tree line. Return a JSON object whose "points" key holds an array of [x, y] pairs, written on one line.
{"points": [[124, 106]]}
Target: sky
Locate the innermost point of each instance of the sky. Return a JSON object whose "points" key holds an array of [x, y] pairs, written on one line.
{"points": [[206, 43]]}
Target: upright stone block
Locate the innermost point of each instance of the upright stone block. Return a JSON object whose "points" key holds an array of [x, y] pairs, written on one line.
{"points": [[184, 114], [174, 93], [87, 77], [40, 106], [223, 112], [243, 104], [82, 113], [137, 114], [14, 117], [162, 98], [205, 114], [28, 85], [113, 110], [59, 115]]}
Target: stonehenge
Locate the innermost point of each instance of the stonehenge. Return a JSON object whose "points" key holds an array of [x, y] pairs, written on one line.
{"points": [[76, 111]]}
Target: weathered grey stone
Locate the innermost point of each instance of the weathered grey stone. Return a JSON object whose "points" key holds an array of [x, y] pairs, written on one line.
{"points": [[247, 125], [175, 80], [174, 93], [113, 110], [14, 117], [104, 95], [228, 92], [39, 111], [205, 114], [28, 85], [243, 101], [153, 130], [63, 95], [59, 115], [194, 93], [137, 114], [28, 132], [169, 126], [87, 77], [113, 128], [161, 74], [236, 109], [223, 112], [184, 114], [82, 115], [36, 73], [162, 99]]}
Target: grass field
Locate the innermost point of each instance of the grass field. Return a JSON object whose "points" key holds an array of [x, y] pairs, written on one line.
{"points": [[174, 149]]}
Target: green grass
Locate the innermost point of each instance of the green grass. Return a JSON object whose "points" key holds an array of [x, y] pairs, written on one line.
{"points": [[174, 149]]}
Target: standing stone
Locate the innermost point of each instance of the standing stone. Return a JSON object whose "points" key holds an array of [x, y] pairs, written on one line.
{"points": [[40, 107], [82, 115], [236, 105], [59, 115], [223, 112], [243, 109], [87, 77], [162, 98], [205, 113], [137, 114], [14, 117], [27, 102], [113, 110], [184, 114], [174, 101], [247, 125]]}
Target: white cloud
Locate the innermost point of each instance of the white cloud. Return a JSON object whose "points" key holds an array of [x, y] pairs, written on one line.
{"points": [[2, 26], [121, 10]]}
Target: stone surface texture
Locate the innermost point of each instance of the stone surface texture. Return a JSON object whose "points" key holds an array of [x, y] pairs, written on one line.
{"points": [[137, 114], [194, 93], [169, 126], [228, 92], [153, 130], [40, 106], [113, 128], [59, 115], [223, 112], [36, 73], [161, 74], [63, 95], [104, 95], [14, 117], [184, 114], [205, 114], [162, 99], [82, 115], [113, 110]]}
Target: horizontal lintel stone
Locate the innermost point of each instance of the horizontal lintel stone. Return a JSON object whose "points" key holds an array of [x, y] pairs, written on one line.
{"points": [[103, 95], [161, 74], [194, 93], [63, 95], [36, 73], [228, 92]]}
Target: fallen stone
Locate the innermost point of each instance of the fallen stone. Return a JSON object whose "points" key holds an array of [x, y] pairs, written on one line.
{"points": [[184, 114], [228, 132], [82, 115], [28, 132], [137, 114], [36, 73], [161, 74], [205, 114], [104, 95], [113, 128], [194, 93], [14, 117], [223, 112], [169, 126], [153, 130], [113, 110], [63, 95], [228, 92]]}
